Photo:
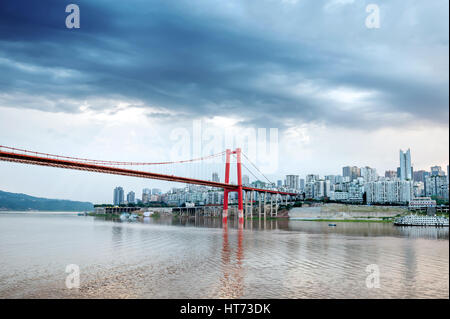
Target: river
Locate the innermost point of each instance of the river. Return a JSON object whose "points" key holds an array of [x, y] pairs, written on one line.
{"points": [[199, 258]]}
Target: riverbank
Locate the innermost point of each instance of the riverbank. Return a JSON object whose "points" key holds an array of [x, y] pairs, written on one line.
{"points": [[344, 212], [374, 220]]}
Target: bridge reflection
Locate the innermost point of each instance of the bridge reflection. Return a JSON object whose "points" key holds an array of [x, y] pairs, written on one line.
{"points": [[212, 222], [310, 227], [232, 281]]}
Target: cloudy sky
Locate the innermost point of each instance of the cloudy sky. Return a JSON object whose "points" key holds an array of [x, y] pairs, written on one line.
{"points": [[137, 71]]}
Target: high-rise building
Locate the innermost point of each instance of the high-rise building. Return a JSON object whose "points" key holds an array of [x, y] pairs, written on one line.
{"points": [[245, 180], [279, 183], [405, 165], [437, 171], [419, 189], [215, 177], [310, 190], [131, 198], [302, 183], [292, 181], [352, 172], [369, 174], [389, 191], [146, 193], [311, 178], [334, 179], [327, 188], [390, 174], [419, 176], [436, 185], [319, 189], [448, 174], [118, 196], [156, 191], [346, 171]]}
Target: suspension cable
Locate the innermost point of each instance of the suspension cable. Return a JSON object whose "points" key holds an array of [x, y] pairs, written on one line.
{"points": [[256, 167], [92, 161], [245, 166]]}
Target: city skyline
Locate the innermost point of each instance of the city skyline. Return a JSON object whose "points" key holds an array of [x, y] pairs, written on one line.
{"points": [[167, 186], [412, 185]]}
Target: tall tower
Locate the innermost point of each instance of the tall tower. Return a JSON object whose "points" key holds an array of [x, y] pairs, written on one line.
{"points": [[131, 198], [118, 196], [215, 177], [405, 165], [292, 181]]}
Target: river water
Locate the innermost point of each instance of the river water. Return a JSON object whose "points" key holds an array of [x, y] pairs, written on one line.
{"points": [[200, 258]]}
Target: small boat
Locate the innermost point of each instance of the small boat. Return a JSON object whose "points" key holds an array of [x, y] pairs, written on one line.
{"points": [[332, 225]]}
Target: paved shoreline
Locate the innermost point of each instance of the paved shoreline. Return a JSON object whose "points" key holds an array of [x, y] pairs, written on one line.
{"points": [[343, 212]]}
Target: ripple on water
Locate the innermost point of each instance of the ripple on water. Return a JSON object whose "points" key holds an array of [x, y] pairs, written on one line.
{"points": [[272, 260]]}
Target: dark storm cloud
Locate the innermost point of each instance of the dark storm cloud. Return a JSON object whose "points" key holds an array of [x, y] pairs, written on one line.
{"points": [[197, 58]]}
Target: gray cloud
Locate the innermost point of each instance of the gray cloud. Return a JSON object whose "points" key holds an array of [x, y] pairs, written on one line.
{"points": [[270, 63]]}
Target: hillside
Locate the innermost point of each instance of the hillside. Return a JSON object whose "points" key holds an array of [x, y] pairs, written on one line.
{"points": [[15, 201]]}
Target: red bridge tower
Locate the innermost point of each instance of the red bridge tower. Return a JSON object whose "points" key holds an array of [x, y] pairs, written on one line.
{"points": [[227, 181]]}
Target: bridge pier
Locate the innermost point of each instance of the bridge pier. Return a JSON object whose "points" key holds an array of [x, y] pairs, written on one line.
{"points": [[252, 193], [276, 205], [258, 202], [271, 205], [265, 208], [246, 203]]}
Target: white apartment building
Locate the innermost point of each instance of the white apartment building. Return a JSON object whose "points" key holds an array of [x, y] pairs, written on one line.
{"points": [[339, 196], [436, 185], [387, 191], [418, 189], [319, 189], [369, 174], [310, 190], [292, 182]]}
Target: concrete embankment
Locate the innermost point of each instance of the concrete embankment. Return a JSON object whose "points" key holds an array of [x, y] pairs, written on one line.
{"points": [[342, 211]]}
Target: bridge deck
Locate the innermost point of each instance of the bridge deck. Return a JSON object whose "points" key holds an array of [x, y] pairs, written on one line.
{"points": [[68, 164]]}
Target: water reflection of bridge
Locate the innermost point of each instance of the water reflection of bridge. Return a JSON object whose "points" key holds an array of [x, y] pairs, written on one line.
{"points": [[233, 222], [233, 272]]}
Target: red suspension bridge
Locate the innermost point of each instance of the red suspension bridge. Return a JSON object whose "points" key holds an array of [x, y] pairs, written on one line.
{"points": [[12, 154]]}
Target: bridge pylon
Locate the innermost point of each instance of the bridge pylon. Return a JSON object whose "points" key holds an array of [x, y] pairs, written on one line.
{"points": [[226, 191], [239, 188]]}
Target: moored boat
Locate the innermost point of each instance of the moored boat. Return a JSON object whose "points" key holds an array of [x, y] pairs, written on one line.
{"points": [[419, 220]]}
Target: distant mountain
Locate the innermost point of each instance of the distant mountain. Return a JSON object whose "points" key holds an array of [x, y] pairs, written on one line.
{"points": [[15, 201]]}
